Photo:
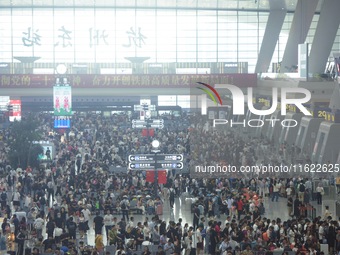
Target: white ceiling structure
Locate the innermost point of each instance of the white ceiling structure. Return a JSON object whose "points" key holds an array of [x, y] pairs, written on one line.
{"points": [[253, 5]]}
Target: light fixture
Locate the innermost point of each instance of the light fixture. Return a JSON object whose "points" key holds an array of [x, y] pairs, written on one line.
{"points": [[155, 144], [61, 69]]}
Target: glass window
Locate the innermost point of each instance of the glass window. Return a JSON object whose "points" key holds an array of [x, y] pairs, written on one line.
{"points": [[183, 101], [167, 100]]}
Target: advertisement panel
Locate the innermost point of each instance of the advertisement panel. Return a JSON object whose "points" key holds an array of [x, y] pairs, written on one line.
{"points": [[15, 110], [62, 100]]}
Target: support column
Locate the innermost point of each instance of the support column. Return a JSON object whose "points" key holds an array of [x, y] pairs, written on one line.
{"points": [[204, 104], [302, 20], [324, 37], [273, 28]]}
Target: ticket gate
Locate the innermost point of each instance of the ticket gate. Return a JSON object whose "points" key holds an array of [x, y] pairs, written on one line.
{"points": [[326, 147], [254, 123], [274, 131], [289, 131], [306, 135], [261, 131]]}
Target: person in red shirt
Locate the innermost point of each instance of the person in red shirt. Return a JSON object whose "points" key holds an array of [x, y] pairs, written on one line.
{"points": [[218, 228], [239, 208]]}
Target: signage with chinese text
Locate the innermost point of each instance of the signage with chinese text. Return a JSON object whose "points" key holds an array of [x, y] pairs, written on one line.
{"points": [[127, 80]]}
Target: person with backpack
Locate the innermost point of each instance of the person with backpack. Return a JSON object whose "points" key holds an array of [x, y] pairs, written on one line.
{"points": [[50, 228], [196, 217], [38, 225], [72, 228], [98, 222], [302, 190], [3, 198], [124, 206]]}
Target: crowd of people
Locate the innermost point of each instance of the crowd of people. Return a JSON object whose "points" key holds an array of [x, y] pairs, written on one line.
{"points": [[76, 191]]}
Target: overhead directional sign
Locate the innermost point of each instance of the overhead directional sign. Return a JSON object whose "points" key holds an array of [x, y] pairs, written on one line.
{"points": [[151, 126], [143, 157], [145, 122], [144, 108], [160, 158], [148, 123], [170, 157], [152, 165]]}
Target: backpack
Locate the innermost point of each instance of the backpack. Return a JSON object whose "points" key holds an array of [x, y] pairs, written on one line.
{"points": [[302, 188], [123, 206], [3, 196], [219, 200], [38, 225], [50, 226], [72, 226], [204, 233]]}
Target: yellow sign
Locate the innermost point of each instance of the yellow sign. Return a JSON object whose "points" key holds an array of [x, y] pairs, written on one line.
{"points": [[291, 108], [326, 115]]}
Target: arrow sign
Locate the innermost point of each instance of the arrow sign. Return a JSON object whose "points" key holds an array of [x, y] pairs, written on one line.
{"points": [[161, 126], [144, 108], [170, 157], [163, 158], [141, 157], [152, 165], [139, 122], [161, 121]]}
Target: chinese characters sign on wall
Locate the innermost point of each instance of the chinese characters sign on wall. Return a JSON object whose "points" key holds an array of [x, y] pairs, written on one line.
{"points": [[134, 37], [127, 81]]}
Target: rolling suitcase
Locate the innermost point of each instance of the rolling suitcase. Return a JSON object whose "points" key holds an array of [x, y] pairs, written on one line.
{"points": [[159, 209]]}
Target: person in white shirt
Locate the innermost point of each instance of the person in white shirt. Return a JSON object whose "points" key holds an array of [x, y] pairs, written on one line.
{"points": [[230, 202], [321, 232], [108, 220], [276, 189], [146, 231], [187, 242], [224, 245], [289, 191], [319, 194], [327, 213], [28, 202], [38, 225], [199, 240], [169, 247], [275, 226], [16, 199], [251, 206], [87, 215]]}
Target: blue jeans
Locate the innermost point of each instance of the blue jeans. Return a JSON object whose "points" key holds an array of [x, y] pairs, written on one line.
{"points": [[275, 195]]}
